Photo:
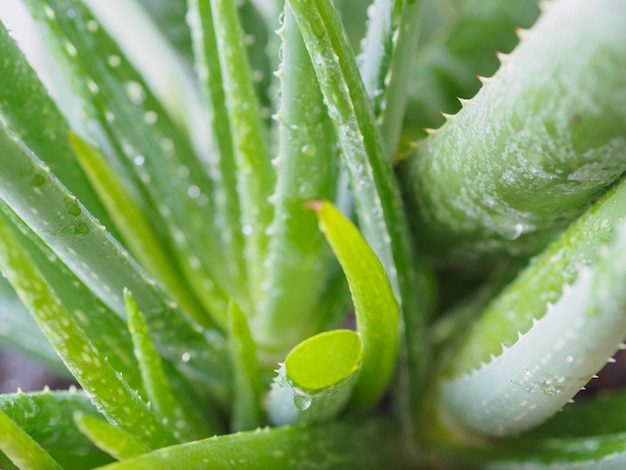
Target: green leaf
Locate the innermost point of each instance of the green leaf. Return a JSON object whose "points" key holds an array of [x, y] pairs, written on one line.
{"points": [[544, 336], [385, 62], [308, 169], [89, 366], [114, 441], [316, 380], [64, 225], [460, 50], [137, 134], [167, 402], [246, 410], [370, 444], [223, 166], [22, 449], [374, 187], [130, 220], [28, 111], [255, 176], [106, 330], [533, 148], [47, 417], [376, 309]]}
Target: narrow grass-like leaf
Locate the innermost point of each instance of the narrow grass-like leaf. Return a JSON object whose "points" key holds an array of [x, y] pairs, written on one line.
{"points": [[114, 441], [247, 412], [371, 444], [308, 168], [129, 125], [556, 324], [139, 236], [109, 391], [255, 176], [166, 403], [375, 189], [316, 380], [47, 417], [222, 166], [376, 309], [28, 187], [533, 148], [447, 66], [22, 449]]}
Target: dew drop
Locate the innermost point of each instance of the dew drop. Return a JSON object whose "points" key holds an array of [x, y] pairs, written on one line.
{"points": [[92, 26], [114, 61], [193, 191], [185, 357], [71, 50], [302, 401], [150, 117], [247, 230], [139, 160], [136, 93]]}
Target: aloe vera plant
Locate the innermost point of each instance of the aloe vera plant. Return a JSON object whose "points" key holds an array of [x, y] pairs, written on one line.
{"points": [[249, 254]]}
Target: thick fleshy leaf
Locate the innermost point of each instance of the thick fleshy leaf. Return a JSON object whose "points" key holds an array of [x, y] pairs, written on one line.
{"points": [[544, 336], [462, 46], [247, 412], [22, 449], [222, 166], [47, 418], [106, 386], [132, 129], [255, 176], [371, 444], [375, 189], [385, 62], [28, 111], [84, 246], [308, 169], [137, 232], [114, 441], [165, 399], [532, 149], [376, 309], [316, 380]]}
